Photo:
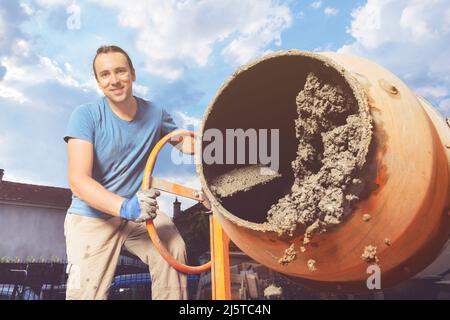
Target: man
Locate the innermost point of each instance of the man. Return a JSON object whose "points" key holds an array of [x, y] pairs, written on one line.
{"points": [[109, 142]]}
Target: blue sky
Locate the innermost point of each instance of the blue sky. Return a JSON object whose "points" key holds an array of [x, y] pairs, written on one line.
{"points": [[183, 51]]}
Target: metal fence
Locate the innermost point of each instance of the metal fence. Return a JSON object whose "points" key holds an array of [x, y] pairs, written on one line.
{"points": [[47, 281], [32, 281]]}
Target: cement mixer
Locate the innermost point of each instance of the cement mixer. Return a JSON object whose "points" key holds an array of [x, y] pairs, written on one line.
{"points": [[398, 218]]}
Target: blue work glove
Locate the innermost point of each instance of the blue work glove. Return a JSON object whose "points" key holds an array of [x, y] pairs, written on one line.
{"points": [[141, 207]]}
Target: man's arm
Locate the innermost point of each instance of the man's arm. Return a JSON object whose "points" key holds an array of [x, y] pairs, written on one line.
{"points": [[141, 207], [81, 158]]}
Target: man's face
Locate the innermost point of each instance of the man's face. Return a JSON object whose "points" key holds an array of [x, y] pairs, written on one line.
{"points": [[114, 76]]}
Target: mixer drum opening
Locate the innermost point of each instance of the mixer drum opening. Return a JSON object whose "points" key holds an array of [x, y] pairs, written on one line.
{"points": [[263, 96]]}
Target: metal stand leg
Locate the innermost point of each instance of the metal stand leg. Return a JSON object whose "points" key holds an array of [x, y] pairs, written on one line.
{"points": [[220, 267]]}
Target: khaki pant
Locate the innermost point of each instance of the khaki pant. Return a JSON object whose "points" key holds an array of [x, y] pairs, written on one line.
{"points": [[93, 249]]}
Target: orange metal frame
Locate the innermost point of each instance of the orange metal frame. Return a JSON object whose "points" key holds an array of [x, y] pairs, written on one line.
{"points": [[219, 241], [220, 258]]}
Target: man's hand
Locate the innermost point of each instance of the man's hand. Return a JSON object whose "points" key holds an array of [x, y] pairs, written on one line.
{"points": [[185, 144], [141, 207]]}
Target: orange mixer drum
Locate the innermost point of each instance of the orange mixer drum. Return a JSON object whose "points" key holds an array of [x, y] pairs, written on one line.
{"points": [[407, 166]]}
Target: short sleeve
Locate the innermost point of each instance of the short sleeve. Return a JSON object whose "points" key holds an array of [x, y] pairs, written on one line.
{"points": [[168, 125], [81, 125]]}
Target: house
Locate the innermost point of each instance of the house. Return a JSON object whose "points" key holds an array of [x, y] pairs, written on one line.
{"points": [[32, 221]]}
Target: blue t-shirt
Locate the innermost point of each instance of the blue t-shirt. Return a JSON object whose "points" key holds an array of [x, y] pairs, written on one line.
{"points": [[121, 147]]}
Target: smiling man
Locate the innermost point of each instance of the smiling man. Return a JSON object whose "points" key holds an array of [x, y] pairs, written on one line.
{"points": [[109, 141]]}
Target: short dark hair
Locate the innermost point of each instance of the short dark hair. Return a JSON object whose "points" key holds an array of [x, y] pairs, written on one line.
{"points": [[109, 49]]}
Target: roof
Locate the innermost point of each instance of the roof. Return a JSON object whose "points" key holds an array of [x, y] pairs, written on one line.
{"points": [[30, 194], [194, 209], [189, 213]]}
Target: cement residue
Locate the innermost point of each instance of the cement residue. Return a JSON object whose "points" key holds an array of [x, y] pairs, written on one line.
{"points": [[289, 255], [273, 291], [370, 254], [366, 217], [334, 134], [316, 227], [241, 180], [312, 265]]}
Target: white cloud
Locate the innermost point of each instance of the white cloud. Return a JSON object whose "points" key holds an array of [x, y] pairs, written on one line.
{"points": [[49, 3], [176, 33], [409, 37], [316, 4], [30, 74], [91, 84], [326, 47], [2, 24], [12, 94], [165, 204], [264, 27], [383, 21], [419, 22], [141, 90], [68, 67], [54, 72], [2, 27], [19, 72], [21, 75], [444, 106], [329, 11], [27, 8], [3, 142], [21, 47], [188, 121], [432, 92]]}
